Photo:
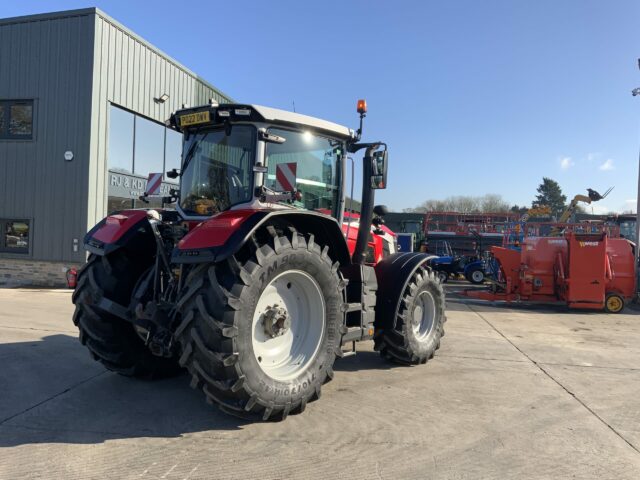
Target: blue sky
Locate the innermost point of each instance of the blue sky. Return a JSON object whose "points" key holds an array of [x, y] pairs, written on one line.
{"points": [[472, 97]]}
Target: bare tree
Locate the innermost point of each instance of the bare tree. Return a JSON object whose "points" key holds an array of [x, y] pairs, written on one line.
{"points": [[494, 203], [464, 204]]}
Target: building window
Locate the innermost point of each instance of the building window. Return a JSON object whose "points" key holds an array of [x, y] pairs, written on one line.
{"points": [[173, 151], [121, 140], [14, 236], [148, 155], [16, 119], [137, 147]]}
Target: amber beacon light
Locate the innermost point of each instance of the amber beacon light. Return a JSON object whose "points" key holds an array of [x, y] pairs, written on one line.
{"points": [[362, 106]]}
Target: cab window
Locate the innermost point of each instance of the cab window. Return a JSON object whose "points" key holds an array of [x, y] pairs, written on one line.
{"points": [[309, 164]]}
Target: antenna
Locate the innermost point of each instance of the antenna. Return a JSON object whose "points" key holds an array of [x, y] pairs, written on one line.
{"points": [[294, 105]]}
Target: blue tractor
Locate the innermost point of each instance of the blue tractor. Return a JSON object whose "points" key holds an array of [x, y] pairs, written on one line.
{"points": [[447, 264], [480, 269], [480, 266], [484, 265]]}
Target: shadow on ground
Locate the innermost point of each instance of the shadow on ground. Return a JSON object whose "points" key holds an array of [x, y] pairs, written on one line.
{"points": [[57, 394], [364, 360]]}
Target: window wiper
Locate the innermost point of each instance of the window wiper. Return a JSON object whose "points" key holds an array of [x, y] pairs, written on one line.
{"points": [[189, 155]]}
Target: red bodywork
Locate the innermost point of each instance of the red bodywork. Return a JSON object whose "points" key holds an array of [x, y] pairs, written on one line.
{"points": [[578, 269], [115, 226], [215, 231], [351, 234]]}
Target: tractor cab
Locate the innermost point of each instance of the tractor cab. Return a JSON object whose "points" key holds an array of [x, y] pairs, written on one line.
{"points": [[245, 157], [248, 156]]}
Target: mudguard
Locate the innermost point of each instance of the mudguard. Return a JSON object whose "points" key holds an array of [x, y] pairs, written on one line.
{"points": [[222, 235], [393, 274], [116, 230]]}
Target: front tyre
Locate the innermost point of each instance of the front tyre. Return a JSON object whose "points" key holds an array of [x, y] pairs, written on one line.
{"points": [[419, 323], [613, 303], [476, 276], [260, 337], [443, 277]]}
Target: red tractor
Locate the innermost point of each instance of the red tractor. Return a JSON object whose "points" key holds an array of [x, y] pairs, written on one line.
{"points": [[257, 280]]}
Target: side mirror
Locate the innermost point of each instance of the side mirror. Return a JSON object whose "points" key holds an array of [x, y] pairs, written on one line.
{"points": [[379, 169]]}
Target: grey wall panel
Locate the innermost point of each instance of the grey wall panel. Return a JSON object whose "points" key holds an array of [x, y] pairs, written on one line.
{"points": [[49, 60], [73, 65], [130, 73]]}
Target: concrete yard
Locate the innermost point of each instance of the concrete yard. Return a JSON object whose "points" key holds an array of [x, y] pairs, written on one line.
{"points": [[513, 393]]}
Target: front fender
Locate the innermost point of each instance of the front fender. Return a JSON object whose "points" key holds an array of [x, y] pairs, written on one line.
{"points": [[393, 274], [224, 234]]}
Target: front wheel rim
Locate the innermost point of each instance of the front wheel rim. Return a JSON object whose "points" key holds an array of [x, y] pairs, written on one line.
{"points": [[477, 276], [424, 315], [288, 325], [614, 304]]}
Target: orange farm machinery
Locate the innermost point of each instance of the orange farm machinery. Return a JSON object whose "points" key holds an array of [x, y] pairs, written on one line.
{"points": [[587, 271]]}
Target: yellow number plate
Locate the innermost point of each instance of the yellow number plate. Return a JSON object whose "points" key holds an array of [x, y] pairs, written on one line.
{"points": [[194, 119]]}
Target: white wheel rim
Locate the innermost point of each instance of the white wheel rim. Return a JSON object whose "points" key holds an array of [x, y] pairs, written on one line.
{"points": [[288, 354], [424, 315], [477, 276]]}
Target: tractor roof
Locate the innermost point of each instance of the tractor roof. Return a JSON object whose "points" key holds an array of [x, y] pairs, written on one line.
{"points": [[198, 116], [283, 116]]}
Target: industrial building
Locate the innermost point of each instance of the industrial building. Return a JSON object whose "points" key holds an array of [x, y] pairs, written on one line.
{"points": [[83, 106]]}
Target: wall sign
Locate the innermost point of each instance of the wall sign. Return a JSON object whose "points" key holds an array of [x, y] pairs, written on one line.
{"points": [[125, 185]]}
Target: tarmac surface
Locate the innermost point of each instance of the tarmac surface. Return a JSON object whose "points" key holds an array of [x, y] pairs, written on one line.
{"points": [[514, 392]]}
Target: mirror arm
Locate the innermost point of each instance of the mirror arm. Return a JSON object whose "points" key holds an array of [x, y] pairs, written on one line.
{"points": [[354, 147], [359, 132], [366, 209]]}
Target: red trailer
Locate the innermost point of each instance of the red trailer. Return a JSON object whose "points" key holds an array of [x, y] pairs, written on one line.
{"points": [[590, 271]]}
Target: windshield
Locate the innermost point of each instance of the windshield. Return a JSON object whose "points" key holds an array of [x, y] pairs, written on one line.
{"points": [[218, 170], [309, 164]]}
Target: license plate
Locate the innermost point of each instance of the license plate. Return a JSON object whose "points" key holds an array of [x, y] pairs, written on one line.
{"points": [[194, 119]]}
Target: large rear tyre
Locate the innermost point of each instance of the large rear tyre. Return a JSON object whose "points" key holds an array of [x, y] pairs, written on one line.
{"points": [[111, 340], [260, 336], [419, 324]]}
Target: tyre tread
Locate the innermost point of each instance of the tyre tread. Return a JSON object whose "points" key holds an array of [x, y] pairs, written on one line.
{"points": [[110, 340], [208, 332], [393, 343]]}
